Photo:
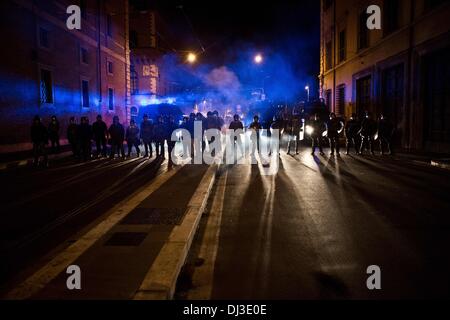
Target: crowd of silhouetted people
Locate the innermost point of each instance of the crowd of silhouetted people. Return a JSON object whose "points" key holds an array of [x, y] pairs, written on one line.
{"points": [[152, 136]]}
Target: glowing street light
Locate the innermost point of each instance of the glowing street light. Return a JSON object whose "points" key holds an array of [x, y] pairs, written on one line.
{"points": [[307, 90], [258, 58], [191, 57]]}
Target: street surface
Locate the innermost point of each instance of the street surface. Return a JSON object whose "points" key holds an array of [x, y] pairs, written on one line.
{"points": [[311, 231], [43, 208]]}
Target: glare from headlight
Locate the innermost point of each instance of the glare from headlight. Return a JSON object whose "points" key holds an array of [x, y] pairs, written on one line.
{"points": [[309, 130]]}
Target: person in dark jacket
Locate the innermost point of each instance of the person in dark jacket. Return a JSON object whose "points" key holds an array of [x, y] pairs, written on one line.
{"points": [[132, 135], [53, 134], [72, 136], [100, 132], [147, 128], [237, 124], [85, 138], [159, 134], [316, 129], [117, 136], [351, 133], [39, 138], [385, 133], [201, 120], [256, 127], [367, 133], [295, 124], [186, 126], [334, 128], [170, 127]]}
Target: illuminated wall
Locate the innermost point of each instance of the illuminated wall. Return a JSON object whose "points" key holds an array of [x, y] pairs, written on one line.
{"points": [[37, 47], [386, 74]]}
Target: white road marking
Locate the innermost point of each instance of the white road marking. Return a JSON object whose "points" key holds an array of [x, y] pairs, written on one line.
{"points": [[203, 276], [47, 273]]}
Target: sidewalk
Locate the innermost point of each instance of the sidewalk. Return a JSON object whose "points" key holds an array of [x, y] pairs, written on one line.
{"points": [[432, 159], [24, 158], [138, 251]]}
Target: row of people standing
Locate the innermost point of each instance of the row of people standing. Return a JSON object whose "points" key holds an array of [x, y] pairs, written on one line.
{"points": [[81, 136], [359, 134]]}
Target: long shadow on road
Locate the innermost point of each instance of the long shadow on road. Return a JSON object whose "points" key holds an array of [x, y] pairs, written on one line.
{"points": [[38, 224]]}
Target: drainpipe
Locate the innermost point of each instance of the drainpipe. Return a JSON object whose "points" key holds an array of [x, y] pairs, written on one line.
{"points": [[408, 114], [99, 56], [334, 57]]}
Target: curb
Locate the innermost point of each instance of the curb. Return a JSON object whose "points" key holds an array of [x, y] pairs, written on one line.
{"points": [[441, 164], [85, 239], [29, 161], [160, 281]]}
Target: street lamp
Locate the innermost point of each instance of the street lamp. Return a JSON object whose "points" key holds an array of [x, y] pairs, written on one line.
{"points": [[258, 58], [307, 90], [191, 57]]}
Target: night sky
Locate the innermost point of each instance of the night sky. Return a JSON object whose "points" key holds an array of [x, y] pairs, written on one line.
{"points": [[225, 28]]}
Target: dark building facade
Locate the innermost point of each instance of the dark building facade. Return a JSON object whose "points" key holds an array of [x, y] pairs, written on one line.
{"points": [[47, 69], [147, 47], [401, 70]]}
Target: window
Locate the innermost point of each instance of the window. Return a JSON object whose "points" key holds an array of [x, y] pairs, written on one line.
{"points": [[134, 112], [328, 56], [85, 94], [392, 91], [327, 4], [363, 33], [46, 87], [436, 72], [110, 67], [391, 15], [110, 99], [43, 38], [431, 4], [109, 24], [328, 99], [84, 55], [83, 8], [133, 39], [363, 95], [340, 100], [342, 46], [134, 80]]}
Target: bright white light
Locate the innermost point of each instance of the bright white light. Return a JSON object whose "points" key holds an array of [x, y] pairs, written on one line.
{"points": [[307, 88], [258, 58], [191, 57], [309, 130]]}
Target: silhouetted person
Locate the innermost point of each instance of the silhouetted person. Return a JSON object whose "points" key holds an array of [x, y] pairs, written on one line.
{"points": [[385, 133], [352, 128], [117, 134], [132, 136], [85, 138], [100, 132], [237, 124], [367, 132], [170, 127], [53, 134], [278, 123], [295, 126], [199, 118], [186, 145], [254, 137], [147, 135], [159, 131], [334, 128], [317, 128], [72, 136], [39, 138]]}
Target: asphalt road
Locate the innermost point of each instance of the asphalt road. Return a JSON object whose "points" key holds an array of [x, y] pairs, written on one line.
{"points": [[43, 208], [311, 231]]}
